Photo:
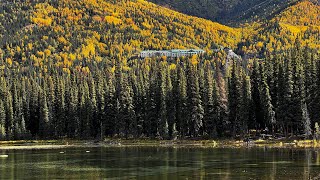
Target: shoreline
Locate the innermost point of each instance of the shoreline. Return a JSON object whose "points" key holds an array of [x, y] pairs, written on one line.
{"points": [[63, 144]]}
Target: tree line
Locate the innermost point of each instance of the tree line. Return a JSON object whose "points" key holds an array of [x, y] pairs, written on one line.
{"points": [[190, 97]]}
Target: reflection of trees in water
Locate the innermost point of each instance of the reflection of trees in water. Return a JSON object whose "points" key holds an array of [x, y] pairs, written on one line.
{"points": [[307, 163], [274, 166], [164, 163]]}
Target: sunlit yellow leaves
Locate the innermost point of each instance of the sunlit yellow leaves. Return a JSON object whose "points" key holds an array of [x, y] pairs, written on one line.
{"points": [[113, 69], [9, 61], [146, 33], [99, 30], [194, 60], [30, 46], [36, 61], [88, 50], [62, 40], [126, 68], [18, 49], [47, 52], [67, 70], [85, 70], [45, 38], [40, 54], [112, 20], [305, 13], [259, 45], [96, 35], [172, 66], [42, 21], [72, 57], [91, 2], [146, 25]]}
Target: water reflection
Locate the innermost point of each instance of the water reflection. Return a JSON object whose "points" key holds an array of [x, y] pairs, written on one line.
{"points": [[161, 163]]}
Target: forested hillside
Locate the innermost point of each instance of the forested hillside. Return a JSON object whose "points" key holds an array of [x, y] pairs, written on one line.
{"points": [[70, 69], [155, 98], [231, 12], [67, 33], [278, 34]]}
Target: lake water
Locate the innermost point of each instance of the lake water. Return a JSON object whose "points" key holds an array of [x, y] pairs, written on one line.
{"points": [[160, 163]]}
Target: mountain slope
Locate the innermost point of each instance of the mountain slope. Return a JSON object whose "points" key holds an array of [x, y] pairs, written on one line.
{"points": [[68, 34], [232, 12], [73, 32], [300, 21]]}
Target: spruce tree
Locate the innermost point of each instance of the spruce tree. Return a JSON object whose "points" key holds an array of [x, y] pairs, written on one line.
{"points": [[246, 103], [101, 106], [182, 115], [163, 122], [127, 118], [234, 100], [110, 110], [171, 100], [152, 105], [265, 97], [2, 120], [257, 119], [44, 115], [194, 103], [222, 100], [211, 115], [306, 121], [93, 109]]}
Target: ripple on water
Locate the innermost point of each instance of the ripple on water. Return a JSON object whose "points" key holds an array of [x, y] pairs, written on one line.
{"points": [[251, 164], [219, 173], [278, 162]]}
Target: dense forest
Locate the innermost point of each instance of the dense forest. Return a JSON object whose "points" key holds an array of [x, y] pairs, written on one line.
{"points": [[71, 69], [231, 12], [72, 33], [165, 98]]}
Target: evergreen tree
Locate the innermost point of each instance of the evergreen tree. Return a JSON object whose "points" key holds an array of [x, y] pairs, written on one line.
{"points": [[234, 100], [152, 105], [222, 100], [171, 100], [306, 121], [194, 103], [44, 115], [93, 109], [265, 97], [257, 119], [181, 112], [110, 110], [2, 120], [245, 106], [163, 122], [211, 115], [101, 106], [73, 124], [33, 123], [126, 113]]}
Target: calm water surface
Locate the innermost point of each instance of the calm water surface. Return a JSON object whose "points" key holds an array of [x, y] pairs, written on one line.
{"points": [[160, 163]]}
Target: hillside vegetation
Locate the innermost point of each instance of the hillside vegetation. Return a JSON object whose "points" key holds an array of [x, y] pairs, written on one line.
{"points": [[231, 12], [300, 21], [69, 32], [70, 69]]}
